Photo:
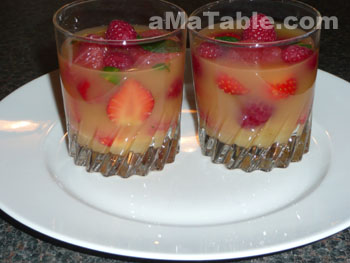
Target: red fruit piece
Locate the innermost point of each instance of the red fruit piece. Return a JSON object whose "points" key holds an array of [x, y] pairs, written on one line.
{"points": [[209, 50], [255, 114], [260, 29], [271, 55], [296, 53], [118, 60], [83, 88], [284, 89], [104, 138], [152, 33], [90, 55], [230, 85], [196, 66], [120, 30], [131, 105], [175, 88]]}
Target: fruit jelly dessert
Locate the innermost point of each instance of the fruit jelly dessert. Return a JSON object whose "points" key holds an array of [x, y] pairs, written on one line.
{"points": [[253, 96], [122, 98]]}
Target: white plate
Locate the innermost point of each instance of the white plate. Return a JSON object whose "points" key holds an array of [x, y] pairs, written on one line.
{"points": [[193, 209]]}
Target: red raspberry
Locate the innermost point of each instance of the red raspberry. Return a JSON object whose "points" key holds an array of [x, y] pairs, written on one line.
{"points": [[120, 30], [255, 114], [118, 60], [260, 29], [209, 50], [296, 53]]}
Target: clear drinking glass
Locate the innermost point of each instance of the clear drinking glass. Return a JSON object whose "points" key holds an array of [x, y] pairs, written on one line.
{"points": [[122, 97], [254, 91]]}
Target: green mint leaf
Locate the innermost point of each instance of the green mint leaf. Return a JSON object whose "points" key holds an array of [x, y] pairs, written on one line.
{"points": [[109, 75], [309, 46], [164, 46], [227, 38], [162, 66]]}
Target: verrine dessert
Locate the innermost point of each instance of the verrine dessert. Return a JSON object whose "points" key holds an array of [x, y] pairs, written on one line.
{"points": [[254, 92], [122, 88]]}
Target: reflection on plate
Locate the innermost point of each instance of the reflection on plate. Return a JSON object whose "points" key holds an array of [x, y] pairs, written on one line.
{"points": [[193, 209]]}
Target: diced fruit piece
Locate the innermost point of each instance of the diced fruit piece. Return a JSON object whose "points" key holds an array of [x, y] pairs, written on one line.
{"points": [[255, 114], [209, 50], [118, 60], [83, 88], [230, 85], [131, 105], [104, 138], [284, 89], [196, 66], [150, 59], [152, 33], [227, 36], [120, 30], [296, 53], [90, 55], [260, 29], [175, 88]]}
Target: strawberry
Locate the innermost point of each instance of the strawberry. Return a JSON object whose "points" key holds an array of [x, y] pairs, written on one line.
{"points": [[131, 105], [209, 50], [296, 53], [255, 114], [83, 88], [284, 89], [118, 60], [104, 138], [196, 66], [175, 88], [230, 85], [120, 30], [260, 29]]}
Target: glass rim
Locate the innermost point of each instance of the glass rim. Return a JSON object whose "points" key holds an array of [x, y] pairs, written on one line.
{"points": [[283, 42], [117, 42]]}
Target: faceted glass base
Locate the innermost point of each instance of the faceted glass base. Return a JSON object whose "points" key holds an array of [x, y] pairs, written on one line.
{"points": [[125, 165], [257, 158]]}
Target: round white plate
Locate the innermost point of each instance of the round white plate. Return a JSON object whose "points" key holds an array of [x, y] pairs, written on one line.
{"points": [[193, 209]]}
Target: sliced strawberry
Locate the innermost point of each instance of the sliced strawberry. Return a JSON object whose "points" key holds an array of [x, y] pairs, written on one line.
{"points": [[255, 114], [118, 60], [104, 138], [296, 53], [120, 30], [131, 105], [209, 50], [230, 85], [260, 29], [175, 88], [284, 89], [83, 88]]}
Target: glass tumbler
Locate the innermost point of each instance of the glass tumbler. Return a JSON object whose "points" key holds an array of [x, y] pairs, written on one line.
{"points": [[254, 65], [122, 81]]}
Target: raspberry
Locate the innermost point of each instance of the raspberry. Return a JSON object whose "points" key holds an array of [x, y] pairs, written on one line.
{"points": [[255, 114], [230, 85], [209, 50], [118, 60], [260, 29], [296, 53], [90, 54], [120, 30], [284, 89]]}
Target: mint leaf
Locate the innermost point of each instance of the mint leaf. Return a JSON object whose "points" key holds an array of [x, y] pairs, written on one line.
{"points": [[110, 75], [309, 46], [227, 38], [164, 46], [162, 66]]}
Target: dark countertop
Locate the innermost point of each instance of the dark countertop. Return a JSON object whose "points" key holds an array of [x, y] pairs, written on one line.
{"points": [[27, 51]]}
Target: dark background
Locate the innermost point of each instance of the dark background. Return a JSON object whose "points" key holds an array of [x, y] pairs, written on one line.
{"points": [[27, 51]]}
